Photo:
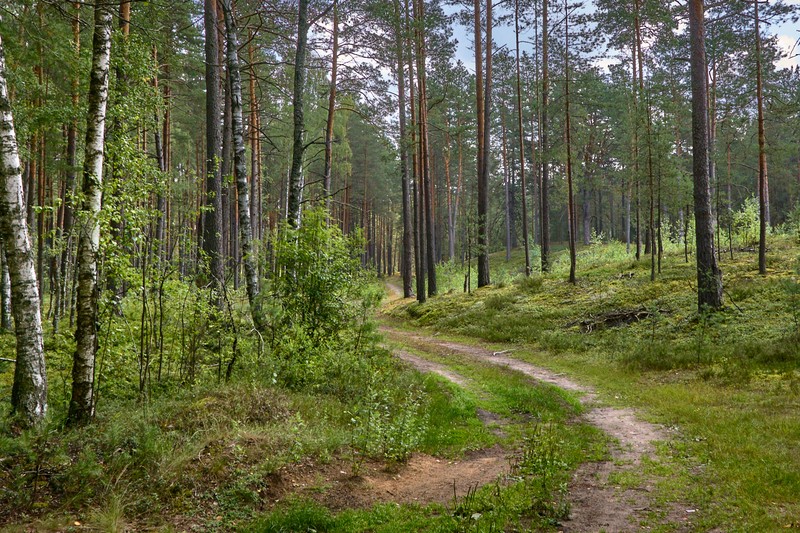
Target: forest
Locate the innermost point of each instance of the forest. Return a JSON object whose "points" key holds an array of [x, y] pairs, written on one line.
{"points": [[399, 265]]}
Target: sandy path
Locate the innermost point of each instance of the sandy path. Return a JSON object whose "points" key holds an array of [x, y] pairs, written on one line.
{"points": [[596, 503]]}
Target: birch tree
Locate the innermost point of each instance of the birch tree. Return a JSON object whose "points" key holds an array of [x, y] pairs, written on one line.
{"points": [[240, 167], [81, 406], [29, 391], [298, 144]]}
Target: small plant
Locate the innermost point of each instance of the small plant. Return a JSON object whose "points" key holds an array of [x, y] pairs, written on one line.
{"points": [[746, 223], [388, 426], [529, 284]]}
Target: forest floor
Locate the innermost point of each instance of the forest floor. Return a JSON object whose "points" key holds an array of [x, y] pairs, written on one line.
{"points": [[720, 390], [597, 500], [605, 405]]}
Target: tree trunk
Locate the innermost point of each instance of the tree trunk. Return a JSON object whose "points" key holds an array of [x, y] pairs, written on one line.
{"points": [[81, 407], [240, 169], [451, 230], [212, 222], [763, 189], [326, 185], [545, 182], [567, 124], [483, 179], [426, 176], [525, 239], [298, 145], [70, 175], [419, 234], [407, 217], [5, 288], [709, 277], [506, 185], [29, 391]]}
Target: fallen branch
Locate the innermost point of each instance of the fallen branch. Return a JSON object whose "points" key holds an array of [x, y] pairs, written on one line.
{"points": [[8, 360], [614, 318]]}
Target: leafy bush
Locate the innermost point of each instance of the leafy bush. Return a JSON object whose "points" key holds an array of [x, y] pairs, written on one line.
{"points": [[321, 287], [389, 421], [746, 223]]}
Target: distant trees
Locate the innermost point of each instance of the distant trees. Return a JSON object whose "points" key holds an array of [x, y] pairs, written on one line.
{"points": [[363, 108]]}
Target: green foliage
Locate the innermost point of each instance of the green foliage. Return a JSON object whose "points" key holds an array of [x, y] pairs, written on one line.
{"points": [[322, 288], [746, 223], [389, 422], [298, 516]]}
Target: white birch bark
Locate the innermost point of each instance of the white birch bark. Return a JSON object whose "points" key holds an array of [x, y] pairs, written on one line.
{"points": [[240, 169], [29, 392], [81, 407]]}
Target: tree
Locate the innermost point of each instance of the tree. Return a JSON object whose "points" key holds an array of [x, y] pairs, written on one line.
{"points": [[240, 168], [298, 144], [326, 177], [570, 195], [81, 407], [408, 250], [29, 391], [544, 212], [763, 184], [709, 277], [212, 223], [525, 242], [483, 174]]}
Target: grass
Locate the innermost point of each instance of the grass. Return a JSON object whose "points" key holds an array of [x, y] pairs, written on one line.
{"points": [[538, 421], [729, 383]]}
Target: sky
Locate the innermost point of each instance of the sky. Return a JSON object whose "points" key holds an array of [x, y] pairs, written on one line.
{"points": [[788, 35]]}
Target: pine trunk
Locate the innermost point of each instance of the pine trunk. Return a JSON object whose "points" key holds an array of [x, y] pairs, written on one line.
{"points": [[483, 179], [407, 253], [525, 238], [212, 221], [326, 185], [709, 277], [763, 189], [545, 182]]}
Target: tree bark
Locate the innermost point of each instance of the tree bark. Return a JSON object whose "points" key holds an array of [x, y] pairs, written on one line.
{"points": [[709, 277], [29, 391], [567, 124], [407, 216], [483, 178], [240, 169], [326, 185], [525, 239], [5, 292], [506, 184], [763, 189], [212, 222], [70, 175], [298, 145], [81, 407], [419, 234], [545, 185], [426, 176]]}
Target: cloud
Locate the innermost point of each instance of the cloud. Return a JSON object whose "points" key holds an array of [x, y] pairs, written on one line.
{"points": [[787, 44]]}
